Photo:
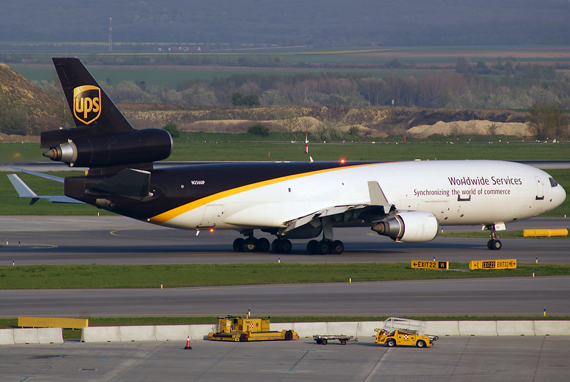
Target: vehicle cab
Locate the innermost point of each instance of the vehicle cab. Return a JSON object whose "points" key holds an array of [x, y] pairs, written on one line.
{"points": [[402, 337]]}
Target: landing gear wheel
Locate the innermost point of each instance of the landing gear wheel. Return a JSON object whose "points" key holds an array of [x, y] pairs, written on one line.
{"points": [[238, 244], [494, 244], [263, 245], [250, 244], [312, 247], [324, 247], [275, 245], [337, 247], [284, 246]]}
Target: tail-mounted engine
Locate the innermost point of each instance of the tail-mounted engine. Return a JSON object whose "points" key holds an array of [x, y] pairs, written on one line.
{"points": [[409, 226], [137, 146]]}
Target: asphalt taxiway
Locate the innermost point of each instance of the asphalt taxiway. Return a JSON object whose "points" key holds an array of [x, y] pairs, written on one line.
{"points": [[453, 359], [119, 240]]}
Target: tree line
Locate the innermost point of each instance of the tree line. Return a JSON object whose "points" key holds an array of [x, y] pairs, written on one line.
{"points": [[433, 90]]}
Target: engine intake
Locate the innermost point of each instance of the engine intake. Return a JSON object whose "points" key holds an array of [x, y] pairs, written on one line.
{"points": [[139, 146], [409, 226]]}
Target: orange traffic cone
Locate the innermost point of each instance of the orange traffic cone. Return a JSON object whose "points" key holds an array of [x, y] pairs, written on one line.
{"points": [[188, 344]]}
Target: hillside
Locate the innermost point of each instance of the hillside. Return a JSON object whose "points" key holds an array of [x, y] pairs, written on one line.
{"points": [[25, 108], [37, 102], [372, 121]]}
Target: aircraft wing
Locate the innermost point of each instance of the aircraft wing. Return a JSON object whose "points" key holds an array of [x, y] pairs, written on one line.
{"points": [[341, 213], [347, 213], [24, 191]]}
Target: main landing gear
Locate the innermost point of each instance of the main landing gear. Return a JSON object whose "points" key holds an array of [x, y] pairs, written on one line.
{"points": [[494, 244], [283, 246], [251, 244], [325, 247]]}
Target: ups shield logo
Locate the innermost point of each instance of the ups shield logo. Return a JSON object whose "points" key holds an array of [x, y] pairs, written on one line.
{"points": [[87, 103]]}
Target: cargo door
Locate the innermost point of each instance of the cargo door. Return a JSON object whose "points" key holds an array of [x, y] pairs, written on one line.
{"points": [[539, 188]]}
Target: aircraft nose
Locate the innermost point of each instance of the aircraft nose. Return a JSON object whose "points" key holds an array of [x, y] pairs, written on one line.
{"points": [[559, 195]]}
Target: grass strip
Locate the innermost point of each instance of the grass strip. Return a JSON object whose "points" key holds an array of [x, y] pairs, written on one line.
{"points": [[197, 275]]}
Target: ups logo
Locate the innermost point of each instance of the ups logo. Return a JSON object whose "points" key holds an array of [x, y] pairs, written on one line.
{"points": [[87, 103]]}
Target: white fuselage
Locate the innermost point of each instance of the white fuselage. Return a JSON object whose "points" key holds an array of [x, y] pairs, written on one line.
{"points": [[456, 192]]}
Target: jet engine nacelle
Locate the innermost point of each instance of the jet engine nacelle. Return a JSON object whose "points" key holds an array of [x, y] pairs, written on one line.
{"points": [[409, 226], [138, 146]]}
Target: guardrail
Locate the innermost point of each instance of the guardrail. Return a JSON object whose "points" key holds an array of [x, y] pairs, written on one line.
{"points": [[308, 329], [305, 329], [31, 336]]}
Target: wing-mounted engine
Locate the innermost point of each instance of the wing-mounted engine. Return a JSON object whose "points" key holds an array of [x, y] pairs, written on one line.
{"points": [[409, 226]]}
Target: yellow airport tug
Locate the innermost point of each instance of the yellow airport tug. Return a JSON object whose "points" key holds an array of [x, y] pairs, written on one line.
{"points": [[403, 337], [242, 329]]}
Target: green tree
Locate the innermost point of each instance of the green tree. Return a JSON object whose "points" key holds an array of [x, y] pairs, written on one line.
{"points": [[258, 129], [239, 99], [549, 120], [462, 65], [172, 129]]}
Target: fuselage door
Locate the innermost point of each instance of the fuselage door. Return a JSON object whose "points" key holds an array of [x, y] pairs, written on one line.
{"points": [[539, 188]]}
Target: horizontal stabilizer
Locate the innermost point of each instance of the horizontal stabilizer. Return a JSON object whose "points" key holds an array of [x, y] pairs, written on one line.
{"points": [[130, 182], [24, 191], [40, 174]]}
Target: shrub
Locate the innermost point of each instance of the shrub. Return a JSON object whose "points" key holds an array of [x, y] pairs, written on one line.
{"points": [[258, 129], [172, 129]]}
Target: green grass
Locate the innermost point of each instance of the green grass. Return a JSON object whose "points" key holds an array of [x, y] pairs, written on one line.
{"points": [[221, 146], [215, 147], [176, 275], [10, 204]]}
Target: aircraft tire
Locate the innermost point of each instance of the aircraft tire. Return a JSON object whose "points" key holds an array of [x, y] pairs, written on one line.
{"points": [[324, 247], [312, 247], [284, 246], [263, 245], [275, 246], [238, 244], [337, 247], [494, 244], [250, 245]]}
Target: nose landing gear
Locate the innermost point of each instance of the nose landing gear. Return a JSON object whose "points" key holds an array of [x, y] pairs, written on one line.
{"points": [[494, 243]]}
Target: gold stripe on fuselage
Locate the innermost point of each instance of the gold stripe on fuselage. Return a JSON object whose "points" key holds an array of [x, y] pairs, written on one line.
{"points": [[171, 214]]}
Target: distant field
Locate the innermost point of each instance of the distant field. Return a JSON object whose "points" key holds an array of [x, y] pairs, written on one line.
{"points": [[309, 60], [170, 75]]}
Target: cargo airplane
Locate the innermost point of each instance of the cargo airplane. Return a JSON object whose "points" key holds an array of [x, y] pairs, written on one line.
{"points": [[406, 201]]}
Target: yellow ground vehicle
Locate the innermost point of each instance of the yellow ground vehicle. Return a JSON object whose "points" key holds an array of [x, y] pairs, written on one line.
{"points": [[232, 328], [402, 337]]}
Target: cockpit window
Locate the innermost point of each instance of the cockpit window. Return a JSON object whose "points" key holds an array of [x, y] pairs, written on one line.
{"points": [[552, 182]]}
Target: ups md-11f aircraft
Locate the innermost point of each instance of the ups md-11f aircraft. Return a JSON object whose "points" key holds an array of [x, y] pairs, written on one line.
{"points": [[406, 201]]}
